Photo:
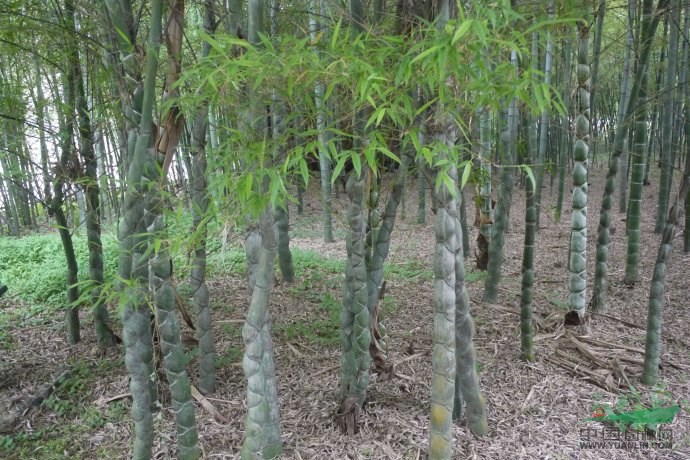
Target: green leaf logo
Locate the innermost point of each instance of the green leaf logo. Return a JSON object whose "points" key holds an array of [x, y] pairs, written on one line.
{"points": [[655, 416]]}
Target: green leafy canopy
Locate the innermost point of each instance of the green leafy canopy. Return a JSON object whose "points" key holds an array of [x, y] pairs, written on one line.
{"points": [[464, 67]]}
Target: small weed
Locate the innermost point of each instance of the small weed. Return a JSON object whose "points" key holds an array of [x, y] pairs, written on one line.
{"points": [[61, 407], [107, 365], [331, 305], [231, 355], [27, 445], [324, 330], [471, 277], [335, 281], [637, 411], [389, 306], [232, 330], [553, 300], [411, 270], [229, 262], [117, 411], [34, 266], [312, 261], [7, 341], [224, 307], [416, 269], [310, 227]]}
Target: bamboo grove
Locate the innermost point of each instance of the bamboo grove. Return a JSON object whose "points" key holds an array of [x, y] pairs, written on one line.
{"points": [[228, 110]]}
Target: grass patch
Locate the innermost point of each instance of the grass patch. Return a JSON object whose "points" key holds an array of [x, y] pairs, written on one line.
{"points": [[416, 269], [323, 330], [413, 269], [34, 266], [305, 261], [232, 261], [231, 356], [73, 419], [312, 227], [66, 438], [556, 302]]}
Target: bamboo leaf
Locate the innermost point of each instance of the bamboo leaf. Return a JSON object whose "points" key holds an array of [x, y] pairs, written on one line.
{"points": [[338, 168], [357, 164], [530, 175], [335, 34], [462, 31], [424, 54], [304, 170], [465, 174]]}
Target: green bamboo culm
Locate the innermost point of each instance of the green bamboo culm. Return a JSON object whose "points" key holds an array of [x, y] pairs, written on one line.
{"points": [[323, 135], [441, 135], [172, 350], [666, 156], [72, 325], [485, 205], [626, 85], [371, 248], [421, 192], [684, 114], [262, 424], [564, 133], [355, 317], [637, 178], [200, 200], [526, 296], [133, 262], [545, 121], [650, 21], [443, 355], [564, 130], [650, 374], [285, 264], [466, 377], [382, 241], [505, 190], [281, 210], [463, 224], [578, 236], [635, 203], [104, 333]]}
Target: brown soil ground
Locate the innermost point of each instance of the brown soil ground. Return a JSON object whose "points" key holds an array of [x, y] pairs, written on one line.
{"points": [[535, 410]]}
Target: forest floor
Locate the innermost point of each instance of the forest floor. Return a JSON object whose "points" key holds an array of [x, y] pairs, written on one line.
{"points": [[536, 410]]}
